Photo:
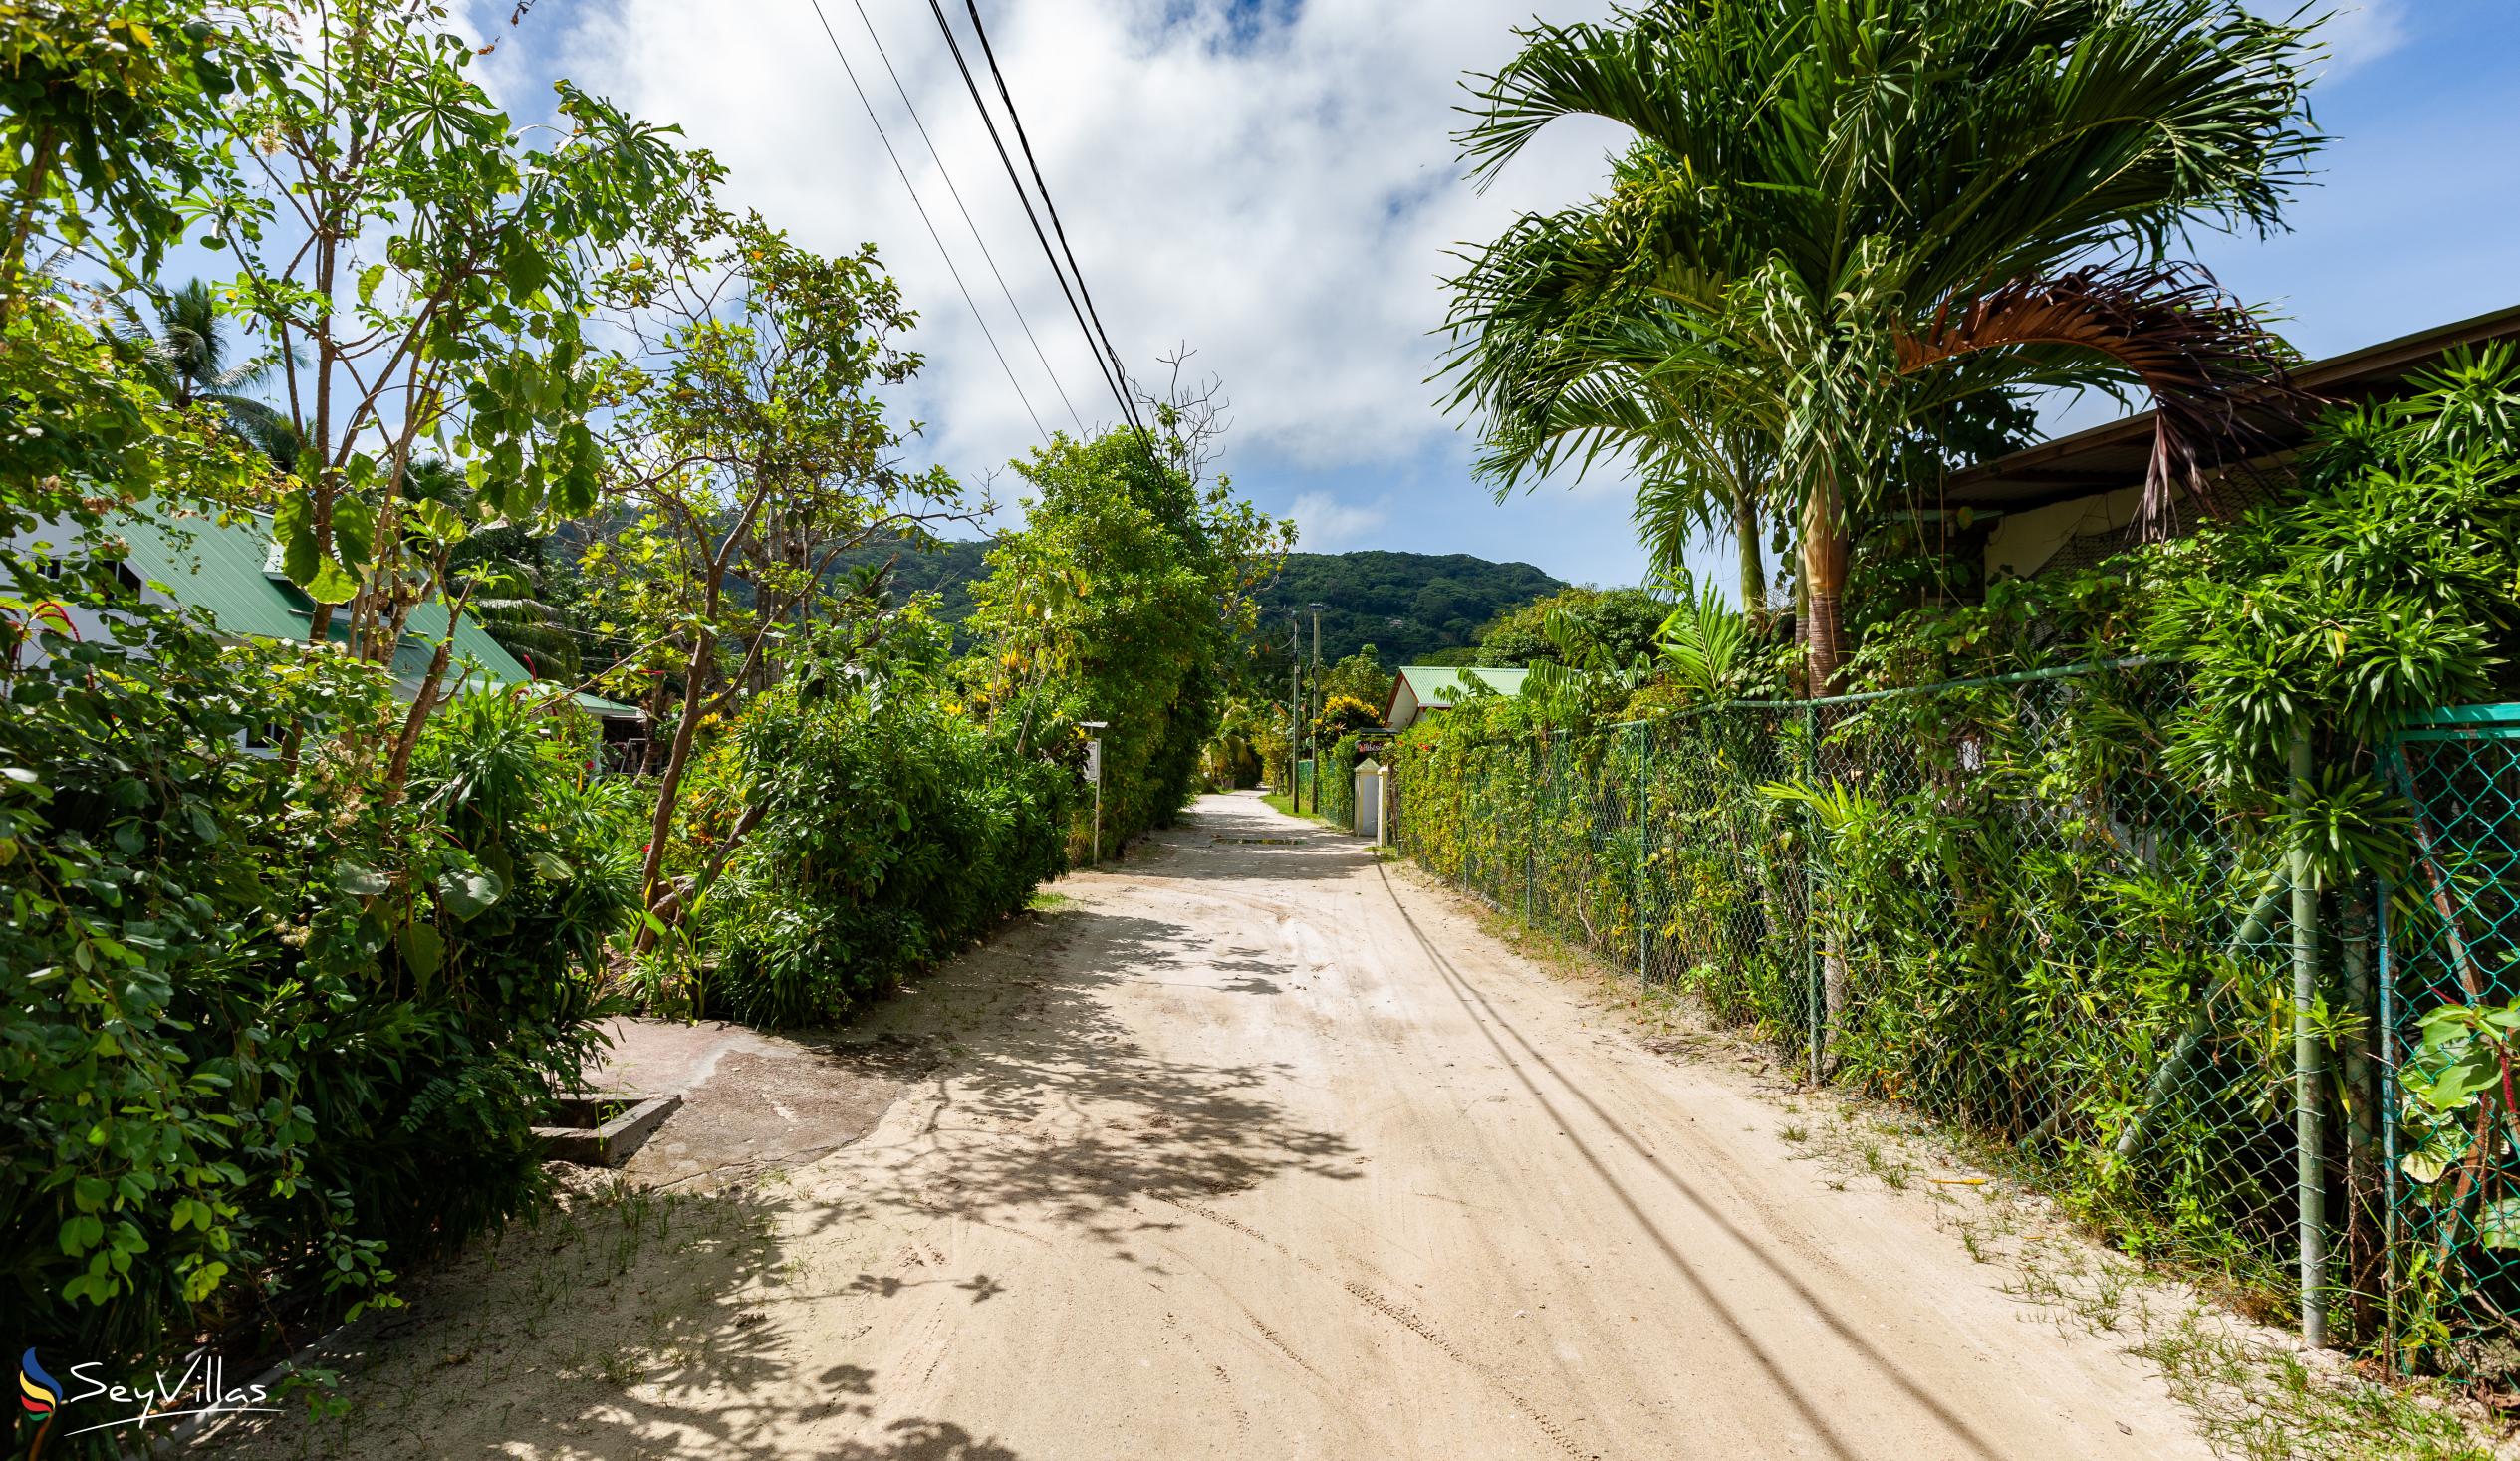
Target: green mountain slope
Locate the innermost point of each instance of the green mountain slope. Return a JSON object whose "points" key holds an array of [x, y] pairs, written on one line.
{"points": [[1407, 605]]}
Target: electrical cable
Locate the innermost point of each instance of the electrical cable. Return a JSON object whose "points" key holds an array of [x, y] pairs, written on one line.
{"points": [[988, 52], [1095, 348], [976, 316], [966, 217]]}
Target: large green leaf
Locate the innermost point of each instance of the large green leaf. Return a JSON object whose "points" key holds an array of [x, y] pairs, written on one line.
{"points": [[331, 583], [422, 949], [470, 892], [2498, 1223]]}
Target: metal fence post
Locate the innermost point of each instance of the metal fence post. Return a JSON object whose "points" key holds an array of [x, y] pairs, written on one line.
{"points": [[2311, 1172], [2387, 1018], [1645, 847], [1811, 891], [1531, 836]]}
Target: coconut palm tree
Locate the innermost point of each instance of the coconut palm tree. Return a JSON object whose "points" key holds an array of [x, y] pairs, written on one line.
{"points": [[1840, 216], [186, 354]]}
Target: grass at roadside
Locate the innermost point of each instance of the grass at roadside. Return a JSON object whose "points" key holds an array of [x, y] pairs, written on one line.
{"points": [[1286, 805]]}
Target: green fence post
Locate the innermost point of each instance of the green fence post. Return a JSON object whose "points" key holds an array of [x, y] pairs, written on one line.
{"points": [[2311, 1172]]}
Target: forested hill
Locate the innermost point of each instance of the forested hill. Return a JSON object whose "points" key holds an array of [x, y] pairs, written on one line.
{"points": [[1407, 605]]}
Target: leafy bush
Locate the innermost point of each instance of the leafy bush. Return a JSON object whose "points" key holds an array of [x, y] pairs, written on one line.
{"points": [[1121, 601], [891, 829], [267, 1031]]}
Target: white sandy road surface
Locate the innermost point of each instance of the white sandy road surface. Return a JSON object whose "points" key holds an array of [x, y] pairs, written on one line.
{"points": [[1262, 1150]]}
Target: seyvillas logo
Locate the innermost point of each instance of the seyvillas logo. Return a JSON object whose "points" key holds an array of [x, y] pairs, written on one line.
{"points": [[39, 1393], [201, 1389]]}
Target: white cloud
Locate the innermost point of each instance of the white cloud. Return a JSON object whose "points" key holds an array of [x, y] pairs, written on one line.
{"points": [[1279, 194], [1324, 524], [2355, 31], [2365, 32]]}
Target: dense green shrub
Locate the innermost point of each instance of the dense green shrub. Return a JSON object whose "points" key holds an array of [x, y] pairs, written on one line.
{"points": [[265, 1032], [891, 829], [1121, 600]]}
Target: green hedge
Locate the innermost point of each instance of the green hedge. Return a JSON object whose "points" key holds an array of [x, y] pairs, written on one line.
{"points": [[268, 1034], [893, 830]]}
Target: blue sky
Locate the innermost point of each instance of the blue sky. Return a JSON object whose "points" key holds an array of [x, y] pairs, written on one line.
{"points": [[1271, 184]]}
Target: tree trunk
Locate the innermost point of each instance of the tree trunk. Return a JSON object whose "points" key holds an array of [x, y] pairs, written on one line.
{"points": [[423, 703], [660, 828], [1824, 580], [1754, 573]]}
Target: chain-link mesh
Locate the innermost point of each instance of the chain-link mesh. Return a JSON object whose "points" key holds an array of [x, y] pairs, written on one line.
{"points": [[1338, 790], [2450, 974], [1304, 793], [2000, 904]]}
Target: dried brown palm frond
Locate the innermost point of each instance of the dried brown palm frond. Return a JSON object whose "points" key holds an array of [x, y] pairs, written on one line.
{"points": [[2217, 379]]}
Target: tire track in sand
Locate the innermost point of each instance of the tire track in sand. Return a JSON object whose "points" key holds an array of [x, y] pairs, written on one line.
{"points": [[1402, 1314]]}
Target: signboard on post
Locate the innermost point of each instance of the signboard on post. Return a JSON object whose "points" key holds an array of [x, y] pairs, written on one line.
{"points": [[1094, 774]]}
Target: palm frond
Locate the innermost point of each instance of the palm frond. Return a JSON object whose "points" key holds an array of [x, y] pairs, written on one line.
{"points": [[2216, 378]]}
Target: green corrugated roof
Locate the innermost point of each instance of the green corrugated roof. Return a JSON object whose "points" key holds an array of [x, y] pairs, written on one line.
{"points": [[1443, 685], [202, 563], [218, 566]]}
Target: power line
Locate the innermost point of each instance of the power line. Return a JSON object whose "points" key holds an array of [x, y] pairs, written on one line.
{"points": [[1115, 385], [976, 316], [966, 217], [1061, 229]]}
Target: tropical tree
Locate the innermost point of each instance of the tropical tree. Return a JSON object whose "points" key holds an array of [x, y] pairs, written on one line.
{"points": [[1360, 676], [1618, 626], [420, 274], [750, 461], [1840, 216], [1126, 598], [1547, 346]]}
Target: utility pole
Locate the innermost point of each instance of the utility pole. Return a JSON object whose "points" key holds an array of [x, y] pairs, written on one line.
{"points": [[1314, 726], [1294, 700]]}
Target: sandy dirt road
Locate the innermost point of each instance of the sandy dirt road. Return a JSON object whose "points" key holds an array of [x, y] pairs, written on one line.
{"points": [[1261, 1150]]}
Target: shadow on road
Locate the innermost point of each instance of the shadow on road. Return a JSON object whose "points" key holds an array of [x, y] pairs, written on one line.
{"points": [[1781, 1373], [1054, 1111], [625, 1324]]}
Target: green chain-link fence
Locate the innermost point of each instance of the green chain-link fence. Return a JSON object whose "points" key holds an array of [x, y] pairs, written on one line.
{"points": [[1999, 904], [1326, 786], [2450, 978], [1338, 772]]}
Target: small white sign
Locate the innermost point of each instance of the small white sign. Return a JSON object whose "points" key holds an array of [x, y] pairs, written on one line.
{"points": [[1093, 761]]}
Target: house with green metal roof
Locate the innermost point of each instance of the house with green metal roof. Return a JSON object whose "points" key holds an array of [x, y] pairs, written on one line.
{"points": [[1421, 688], [229, 567]]}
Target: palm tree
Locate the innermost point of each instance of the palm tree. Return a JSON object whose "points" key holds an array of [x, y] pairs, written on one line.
{"points": [[188, 356], [1548, 346], [1844, 215]]}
